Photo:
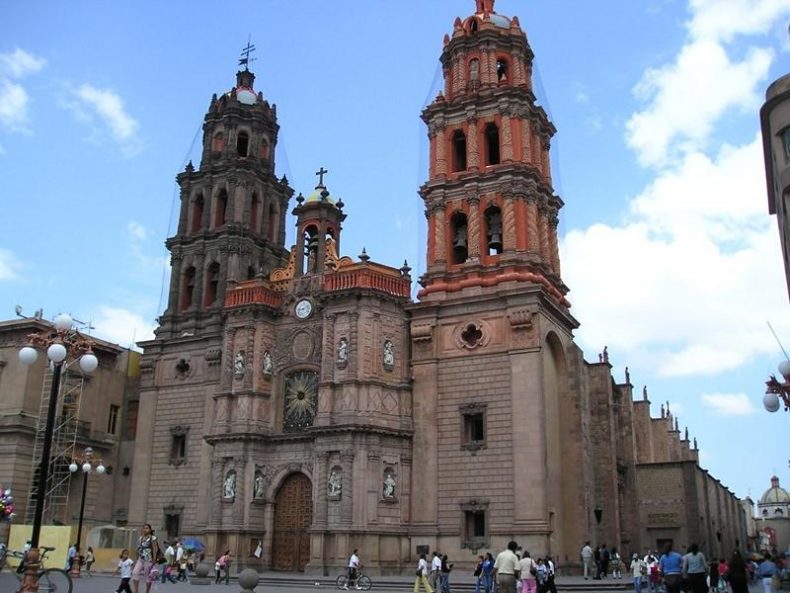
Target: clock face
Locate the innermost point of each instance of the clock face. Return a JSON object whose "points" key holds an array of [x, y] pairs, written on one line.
{"points": [[303, 309]]}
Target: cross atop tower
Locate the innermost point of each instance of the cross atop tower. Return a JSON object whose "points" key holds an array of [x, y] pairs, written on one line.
{"points": [[245, 55], [321, 172], [485, 6]]}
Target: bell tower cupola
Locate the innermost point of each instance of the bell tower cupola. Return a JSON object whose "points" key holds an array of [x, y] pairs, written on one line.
{"points": [[231, 225], [319, 219], [491, 208]]}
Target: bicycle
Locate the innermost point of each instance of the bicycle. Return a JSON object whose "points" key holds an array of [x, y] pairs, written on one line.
{"points": [[361, 583], [50, 580]]}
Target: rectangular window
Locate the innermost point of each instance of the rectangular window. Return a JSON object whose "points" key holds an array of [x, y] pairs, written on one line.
{"points": [[112, 421], [178, 449], [474, 532], [473, 427]]}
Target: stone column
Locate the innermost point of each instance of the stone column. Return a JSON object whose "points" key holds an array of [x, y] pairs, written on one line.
{"points": [[507, 135], [347, 498], [526, 141], [485, 66], [473, 153], [546, 161], [439, 229], [518, 71], [353, 344], [508, 223], [440, 140], [533, 238], [543, 231], [374, 484], [183, 217], [321, 505], [474, 237], [457, 68], [553, 243]]}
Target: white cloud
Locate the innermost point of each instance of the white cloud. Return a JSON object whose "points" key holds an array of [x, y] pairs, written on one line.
{"points": [[728, 404], [723, 19], [20, 63], [136, 231], [105, 108], [697, 270], [122, 326], [9, 265], [685, 99]]}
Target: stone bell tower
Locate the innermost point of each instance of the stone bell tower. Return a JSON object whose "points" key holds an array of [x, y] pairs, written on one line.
{"points": [[492, 331], [233, 208]]}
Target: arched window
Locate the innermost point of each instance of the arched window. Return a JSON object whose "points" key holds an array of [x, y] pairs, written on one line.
{"points": [[459, 151], [212, 285], [311, 249], [221, 208], [242, 143], [492, 144], [493, 218], [501, 70], [250, 272], [255, 213], [458, 227], [187, 288], [196, 221], [218, 142]]}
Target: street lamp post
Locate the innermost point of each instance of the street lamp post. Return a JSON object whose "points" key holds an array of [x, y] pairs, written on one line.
{"points": [[59, 342], [777, 392], [87, 466]]}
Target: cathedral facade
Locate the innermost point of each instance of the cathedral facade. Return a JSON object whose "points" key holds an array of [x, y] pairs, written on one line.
{"points": [[296, 403]]}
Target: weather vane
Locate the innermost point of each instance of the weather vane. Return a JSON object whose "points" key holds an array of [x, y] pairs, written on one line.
{"points": [[245, 58]]}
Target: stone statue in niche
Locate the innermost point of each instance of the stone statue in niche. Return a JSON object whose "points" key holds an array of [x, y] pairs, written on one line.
{"points": [[239, 365], [342, 351], [268, 366], [389, 354], [389, 485], [229, 485], [335, 483], [259, 488]]}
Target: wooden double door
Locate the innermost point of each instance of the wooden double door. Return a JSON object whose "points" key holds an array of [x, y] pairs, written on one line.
{"points": [[293, 515]]}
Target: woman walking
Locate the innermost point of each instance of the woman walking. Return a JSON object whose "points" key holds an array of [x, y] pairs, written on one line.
{"points": [[422, 576], [738, 574], [637, 568], [147, 551], [695, 569]]}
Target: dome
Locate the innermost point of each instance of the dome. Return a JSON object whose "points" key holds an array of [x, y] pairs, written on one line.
{"points": [[317, 196], [775, 494], [246, 96], [499, 20]]}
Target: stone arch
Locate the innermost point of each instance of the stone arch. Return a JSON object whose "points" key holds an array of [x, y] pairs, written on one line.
{"points": [[563, 455], [293, 498]]}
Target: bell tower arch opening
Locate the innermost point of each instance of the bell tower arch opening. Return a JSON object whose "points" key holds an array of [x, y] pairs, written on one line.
{"points": [[459, 230], [459, 151]]}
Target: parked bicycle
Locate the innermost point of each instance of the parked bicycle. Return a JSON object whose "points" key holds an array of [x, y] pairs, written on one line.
{"points": [[50, 580]]}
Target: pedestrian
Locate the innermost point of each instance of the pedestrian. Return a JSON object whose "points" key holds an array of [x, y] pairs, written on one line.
{"points": [[615, 564], [528, 573], [713, 576], [71, 556], [422, 578], [541, 575], [597, 561], [587, 559], [147, 552], [695, 569], [225, 565], [444, 575], [637, 570], [353, 569], [505, 567], [738, 574], [651, 570], [551, 586], [125, 565], [436, 566], [90, 558], [605, 559], [181, 563], [485, 583], [671, 564], [766, 572], [164, 568]]}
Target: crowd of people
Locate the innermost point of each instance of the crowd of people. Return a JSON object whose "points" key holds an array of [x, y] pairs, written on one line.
{"points": [[672, 572]]}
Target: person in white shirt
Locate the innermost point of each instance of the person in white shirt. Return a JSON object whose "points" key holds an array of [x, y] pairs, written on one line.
{"points": [[505, 568], [422, 571], [526, 566], [436, 567], [125, 565], [181, 562], [353, 569], [587, 560]]}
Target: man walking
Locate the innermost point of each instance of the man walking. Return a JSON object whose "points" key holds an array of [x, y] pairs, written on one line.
{"points": [[505, 568], [587, 559], [436, 567]]}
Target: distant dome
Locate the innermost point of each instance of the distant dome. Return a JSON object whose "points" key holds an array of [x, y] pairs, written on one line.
{"points": [[316, 196], [246, 96], [775, 494], [499, 20]]}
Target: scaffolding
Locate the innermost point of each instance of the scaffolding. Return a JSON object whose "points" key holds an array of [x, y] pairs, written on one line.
{"points": [[64, 439]]}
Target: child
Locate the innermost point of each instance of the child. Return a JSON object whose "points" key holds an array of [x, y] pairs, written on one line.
{"points": [[125, 566]]}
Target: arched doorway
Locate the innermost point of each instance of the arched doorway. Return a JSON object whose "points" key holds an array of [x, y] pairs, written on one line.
{"points": [[293, 514]]}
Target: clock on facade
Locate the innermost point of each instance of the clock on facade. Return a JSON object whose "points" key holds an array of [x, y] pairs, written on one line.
{"points": [[303, 309]]}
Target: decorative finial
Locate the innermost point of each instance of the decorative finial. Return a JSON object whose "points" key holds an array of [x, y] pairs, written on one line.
{"points": [[364, 257], [405, 269], [687, 433], [245, 58], [190, 167], [677, 428], [321, 172], [299, 198]]}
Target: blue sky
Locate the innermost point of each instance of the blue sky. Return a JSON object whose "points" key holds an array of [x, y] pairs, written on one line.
{"points": [[672, 259]]}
